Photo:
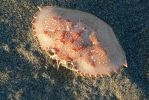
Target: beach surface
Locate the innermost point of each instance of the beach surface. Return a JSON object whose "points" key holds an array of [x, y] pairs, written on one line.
{"points": [[26, 73]]}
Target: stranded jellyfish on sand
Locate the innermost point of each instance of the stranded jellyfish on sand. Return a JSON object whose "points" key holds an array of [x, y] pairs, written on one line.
{"points": [[81, 41]]}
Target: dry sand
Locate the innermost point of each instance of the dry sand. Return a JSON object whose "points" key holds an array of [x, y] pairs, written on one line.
{"points": [[27, 74]]}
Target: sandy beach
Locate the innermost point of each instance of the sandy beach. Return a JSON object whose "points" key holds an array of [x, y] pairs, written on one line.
{"points": [[26, 73]]}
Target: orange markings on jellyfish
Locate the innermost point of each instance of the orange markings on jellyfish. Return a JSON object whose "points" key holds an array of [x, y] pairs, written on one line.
{"points": [[81, 38]]}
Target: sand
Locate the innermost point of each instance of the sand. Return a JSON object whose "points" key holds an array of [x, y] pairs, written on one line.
{"points": [[26, 73]]}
